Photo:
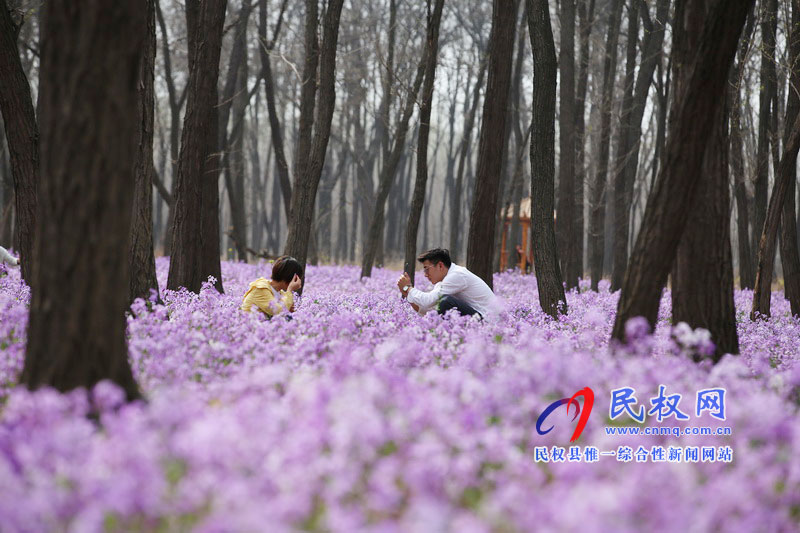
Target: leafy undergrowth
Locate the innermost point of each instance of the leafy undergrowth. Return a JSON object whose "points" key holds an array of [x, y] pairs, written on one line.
{"points": [[360, 415]]}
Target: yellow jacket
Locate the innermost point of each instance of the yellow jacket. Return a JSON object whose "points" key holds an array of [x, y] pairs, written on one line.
{"points": [[262, 295]]}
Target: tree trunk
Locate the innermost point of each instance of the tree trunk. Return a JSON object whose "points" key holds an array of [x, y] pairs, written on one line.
{"points": [[789, 253], [307, 173], [265, 47], [195, 254], [175, 105], [491, 149], [456, 200], [702, 279], [746, 273], [229, 147], [432, 45], [769, 15], [766, 247], [631, 129], [543, 236], [567, 236], [22, 135], [140, 244], [597, 208], [88, 159], [585, 16], [619, 230], [672, 198], [388, 172]]}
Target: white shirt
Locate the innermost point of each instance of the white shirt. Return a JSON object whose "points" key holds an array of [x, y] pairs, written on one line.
{"points": [[462, 284], [6, 257]]}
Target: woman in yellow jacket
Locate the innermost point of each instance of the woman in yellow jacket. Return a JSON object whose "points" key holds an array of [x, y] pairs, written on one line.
{"points": [[273, 296]]}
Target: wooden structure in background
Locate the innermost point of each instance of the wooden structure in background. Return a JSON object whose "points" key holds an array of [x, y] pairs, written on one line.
{"points": [[522, 260]]}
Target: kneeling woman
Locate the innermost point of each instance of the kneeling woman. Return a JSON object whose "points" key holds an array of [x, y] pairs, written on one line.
{"points": [[274, 296]]}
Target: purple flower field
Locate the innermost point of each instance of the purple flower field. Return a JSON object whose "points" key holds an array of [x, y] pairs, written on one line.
{"points": [[360, 415]]}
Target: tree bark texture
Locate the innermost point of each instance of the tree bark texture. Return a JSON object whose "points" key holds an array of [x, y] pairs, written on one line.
{"points": [[543, 234], [22, 135], [90, 58], [140, 245], [491, 148], [566, 234], [789, 253], [597, 207], [308, 172], [674, 192], [195, 253], [418, 198], [702, 279]]}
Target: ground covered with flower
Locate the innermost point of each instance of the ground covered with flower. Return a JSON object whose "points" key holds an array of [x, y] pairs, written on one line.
{"points": [[359, 415]]}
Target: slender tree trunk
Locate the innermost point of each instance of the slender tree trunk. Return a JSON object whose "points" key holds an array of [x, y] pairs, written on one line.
{"points": [[432, 46], [195, 254], [746, 272], [769, 15], [597, 208], [265, 47], [543, 237], [308, 173], [456, 199], [88, 159], [621, 204], [766, 249], [631, 130], [585, 17], [491, 149], [672, 199], [22, 135], [388, 172], [140, 244], [566, 235], [175, 105], [789, 253]]}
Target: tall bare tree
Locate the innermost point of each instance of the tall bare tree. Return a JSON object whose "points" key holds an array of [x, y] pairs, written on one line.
{"points": [[597, 207], [674, 193], [88, 158], [543, 236], [491, 148], [566, 234], [766, 96], [790, 257], [311, 150], [22, 135], [195, 254], [143, 264], [633, 108], [432, 44], [702, 278]]}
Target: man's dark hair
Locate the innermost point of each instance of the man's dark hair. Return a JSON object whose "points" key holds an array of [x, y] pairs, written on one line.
{"points": [[436, 255], [285, 267]]}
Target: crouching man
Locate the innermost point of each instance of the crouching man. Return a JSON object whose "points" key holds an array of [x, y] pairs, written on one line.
{"points": [[454, 287]]}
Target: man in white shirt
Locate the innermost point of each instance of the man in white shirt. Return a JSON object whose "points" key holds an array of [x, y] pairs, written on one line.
{"points": [[454, 287]]}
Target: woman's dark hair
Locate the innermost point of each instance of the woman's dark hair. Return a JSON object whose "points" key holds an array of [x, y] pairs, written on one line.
{"points": [[285, 267], [436, 255]]}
